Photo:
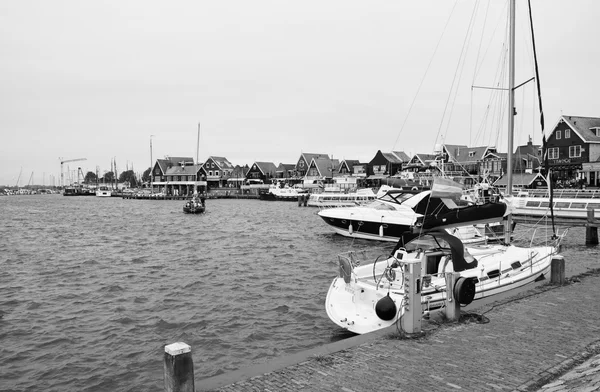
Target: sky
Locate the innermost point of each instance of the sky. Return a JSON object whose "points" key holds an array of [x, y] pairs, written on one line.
{"points": [[269, 80]]}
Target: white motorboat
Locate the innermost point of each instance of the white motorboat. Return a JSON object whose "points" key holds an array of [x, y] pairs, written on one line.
{"points": [[336, 198], [103, 191], [285, 193], [396, 211]]}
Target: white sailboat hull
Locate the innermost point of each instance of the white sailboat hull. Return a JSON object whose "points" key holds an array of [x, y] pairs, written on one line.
{"points": [[352, 305]]}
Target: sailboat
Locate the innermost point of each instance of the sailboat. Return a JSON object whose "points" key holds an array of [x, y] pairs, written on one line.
{"points": [[367, 296]]}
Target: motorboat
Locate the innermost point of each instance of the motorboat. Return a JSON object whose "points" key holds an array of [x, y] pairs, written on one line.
{"points": [[367, 296], [103, 191], [195, 205], [396, 211], [337, 198], [285, 193]]}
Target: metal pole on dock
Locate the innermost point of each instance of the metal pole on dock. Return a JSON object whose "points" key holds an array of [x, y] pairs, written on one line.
{"points": [[452, 305], [179, 368]]}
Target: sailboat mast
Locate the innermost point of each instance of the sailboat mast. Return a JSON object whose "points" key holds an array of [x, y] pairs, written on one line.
{"points": [[511, 96], [511, 114]]}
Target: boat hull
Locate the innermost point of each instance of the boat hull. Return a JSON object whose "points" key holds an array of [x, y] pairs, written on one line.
{"points": [[352, 305]]}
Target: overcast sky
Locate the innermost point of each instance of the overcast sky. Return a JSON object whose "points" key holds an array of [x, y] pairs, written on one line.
{"points": [[268, 80]]}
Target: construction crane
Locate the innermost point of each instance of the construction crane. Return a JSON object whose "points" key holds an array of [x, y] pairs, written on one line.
{"points": [[63, 161]]}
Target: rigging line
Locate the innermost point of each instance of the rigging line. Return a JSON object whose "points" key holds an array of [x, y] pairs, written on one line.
{"points": [[464, 61], [544, 147], [460, 57], [480, 43], [488, 46], [425, 74]]}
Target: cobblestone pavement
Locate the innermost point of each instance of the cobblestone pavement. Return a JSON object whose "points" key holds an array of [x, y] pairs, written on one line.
{"points": [[546, 339]]}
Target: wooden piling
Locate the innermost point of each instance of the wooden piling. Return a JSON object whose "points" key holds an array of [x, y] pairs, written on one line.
{"points": [[557, 270], [591, 228], [179, 368], [452, 306]]}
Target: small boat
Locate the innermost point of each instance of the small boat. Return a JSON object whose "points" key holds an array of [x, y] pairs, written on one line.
{"points": [[286, 193], [195, 205], [103, 191], [336, 198]]}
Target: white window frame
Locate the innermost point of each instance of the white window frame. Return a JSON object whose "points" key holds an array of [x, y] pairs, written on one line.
{"points": [[553, 153], [567, 133], [558, 135], [216, 172], [575, 151]]}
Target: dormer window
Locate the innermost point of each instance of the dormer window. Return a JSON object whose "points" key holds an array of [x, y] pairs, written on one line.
{"points": [[471, 154], [596, 131], [558, 135]]}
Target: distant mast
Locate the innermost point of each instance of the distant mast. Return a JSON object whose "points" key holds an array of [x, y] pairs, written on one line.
{"points": [[196, 168], [511, 113]]}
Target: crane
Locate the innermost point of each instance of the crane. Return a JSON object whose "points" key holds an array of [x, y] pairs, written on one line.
{"points": [[63, 161]]}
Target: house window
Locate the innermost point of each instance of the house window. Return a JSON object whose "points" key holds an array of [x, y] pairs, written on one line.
{"points": [[553, 153], [216, 173], [210, 173], [574, 151], [567, 133], [471, 154], [558, 135]]}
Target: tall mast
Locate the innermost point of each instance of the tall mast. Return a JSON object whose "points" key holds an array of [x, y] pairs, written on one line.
{"points": [[151, 168], [511, 111]]}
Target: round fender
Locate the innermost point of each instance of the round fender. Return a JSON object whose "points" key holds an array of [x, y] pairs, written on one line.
{"points": [[464, 290], [386, 308]]}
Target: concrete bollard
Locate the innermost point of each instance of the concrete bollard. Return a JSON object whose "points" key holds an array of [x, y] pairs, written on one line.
{"points": [[452, 306], [179, 368], [557, 270]]}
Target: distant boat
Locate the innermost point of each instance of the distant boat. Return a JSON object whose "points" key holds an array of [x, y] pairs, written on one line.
{"points": [[103, 191], [287, 193], [336, 198], [196, 205]]}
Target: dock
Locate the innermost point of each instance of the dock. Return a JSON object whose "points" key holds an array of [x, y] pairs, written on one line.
{"points": [[523, 343]]}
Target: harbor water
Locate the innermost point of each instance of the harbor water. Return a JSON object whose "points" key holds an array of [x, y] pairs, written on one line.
{"points": [[92, 289]]}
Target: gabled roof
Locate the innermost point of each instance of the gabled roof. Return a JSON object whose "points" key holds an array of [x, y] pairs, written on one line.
{"points": [[402, 156], [266, 167], [470, 154], [222, 162], [308, 157], [168, 162], [178, 170], [454, 150], [350, 163], [325, 166], [581, 126], [392, 157], [524, 179]]}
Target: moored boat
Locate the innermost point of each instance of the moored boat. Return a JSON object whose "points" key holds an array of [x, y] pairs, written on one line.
{"points": [[336, 198]]}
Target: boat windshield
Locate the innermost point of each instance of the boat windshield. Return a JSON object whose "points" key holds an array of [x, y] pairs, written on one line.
{"points": [[427, 242], [377, 205], [396, 197]]}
